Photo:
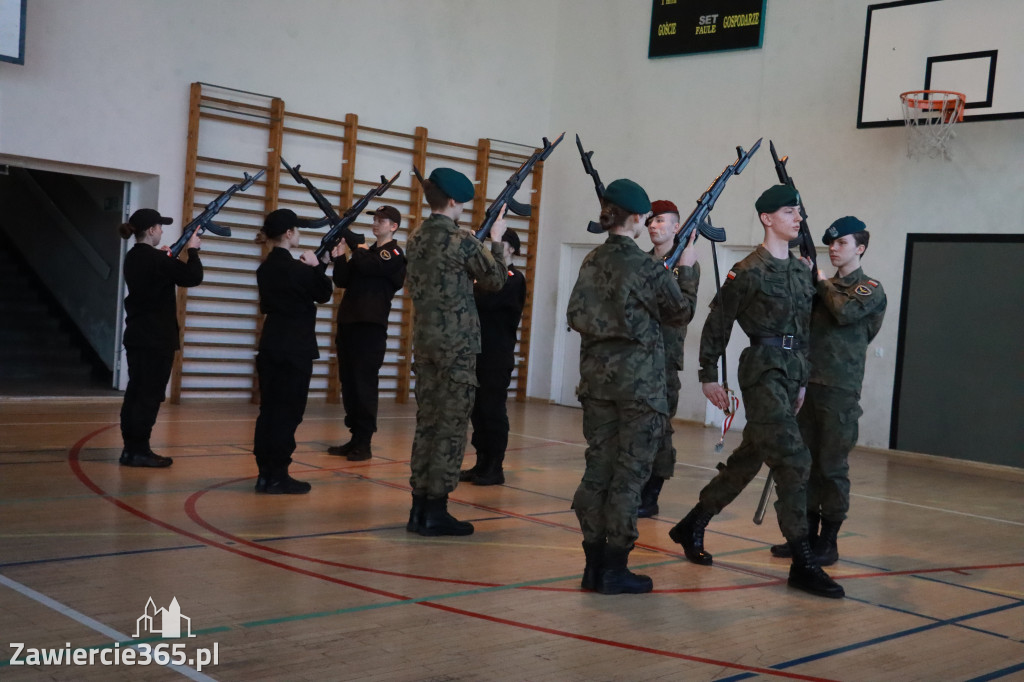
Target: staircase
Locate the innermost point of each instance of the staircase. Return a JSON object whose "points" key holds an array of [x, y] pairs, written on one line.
{"points": [[38, 355]]}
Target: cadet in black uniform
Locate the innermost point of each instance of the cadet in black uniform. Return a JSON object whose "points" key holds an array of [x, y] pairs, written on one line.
{"points": [[500, 313], [289, 292], [370, 276], [151, 328]]}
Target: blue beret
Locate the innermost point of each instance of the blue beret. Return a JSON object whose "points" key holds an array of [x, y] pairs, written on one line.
{"points": [[775, 197], [628, 195], [453, 183], [842, 227]]}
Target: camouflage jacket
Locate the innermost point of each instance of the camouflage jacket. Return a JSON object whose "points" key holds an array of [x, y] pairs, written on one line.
{"points": [[674, 335], [619, 304], [847, 314], [443, 262], [768, 297]]}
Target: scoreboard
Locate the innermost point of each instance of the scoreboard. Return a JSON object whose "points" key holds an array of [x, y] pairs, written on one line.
{"points": [[694, 26]]}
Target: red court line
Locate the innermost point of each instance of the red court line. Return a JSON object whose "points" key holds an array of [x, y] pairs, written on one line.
{"points": [[74, 463]]}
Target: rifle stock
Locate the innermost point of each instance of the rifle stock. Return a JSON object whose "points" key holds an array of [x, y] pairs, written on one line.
{"points": [[204, 221], [340, 228], [804, 240], [588, 166], [512, 185], [700, 218]]}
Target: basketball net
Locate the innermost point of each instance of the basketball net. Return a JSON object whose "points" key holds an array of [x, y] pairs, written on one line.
{"points": [[929, 116]]}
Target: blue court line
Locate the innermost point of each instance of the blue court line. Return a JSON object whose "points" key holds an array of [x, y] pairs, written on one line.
{"points": [[996, 674], [103, 555], [878, 640]]}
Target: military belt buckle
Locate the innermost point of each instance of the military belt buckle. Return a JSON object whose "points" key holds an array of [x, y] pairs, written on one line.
{"points": [[787, 342]]}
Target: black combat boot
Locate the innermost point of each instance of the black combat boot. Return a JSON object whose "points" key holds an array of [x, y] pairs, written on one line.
{"points": [[492, 473], [782, 551], [617, 579], [469, 475], [360, 450], [826, 547], [342, 450], [649, 497], [416, 513], [690, 534], [595, 563], [806, 574], [144, 458], [437, 520], [281, 484]]}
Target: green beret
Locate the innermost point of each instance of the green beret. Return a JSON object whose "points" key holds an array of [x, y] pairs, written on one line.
{"points": [[453, 183], [628, 195], [775, 197], [842, 227]]}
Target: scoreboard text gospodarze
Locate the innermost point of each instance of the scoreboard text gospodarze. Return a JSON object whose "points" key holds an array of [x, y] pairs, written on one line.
{"points": [[692, 26]]}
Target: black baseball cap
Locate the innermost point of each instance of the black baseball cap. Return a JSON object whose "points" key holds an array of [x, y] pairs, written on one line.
{"points": [[145, 218]]}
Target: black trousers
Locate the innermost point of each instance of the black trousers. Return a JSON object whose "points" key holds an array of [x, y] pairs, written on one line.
{"points": [[489, 416], [148, 372], [361, 347], [284, 387]]}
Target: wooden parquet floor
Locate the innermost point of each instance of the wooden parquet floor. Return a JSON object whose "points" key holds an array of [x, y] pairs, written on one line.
{"points": [[330, 586]]}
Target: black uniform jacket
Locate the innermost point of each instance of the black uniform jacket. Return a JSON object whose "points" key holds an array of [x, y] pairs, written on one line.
{"points": [[500, 313], [151, 311], [289, 292], [370, 278]]}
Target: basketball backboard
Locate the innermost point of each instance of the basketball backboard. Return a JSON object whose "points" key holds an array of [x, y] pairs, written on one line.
{"points": [[968, 46]]}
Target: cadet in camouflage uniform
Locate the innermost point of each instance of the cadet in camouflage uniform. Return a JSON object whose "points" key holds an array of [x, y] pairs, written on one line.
{"points": [[619, 304], [444, 259], [662, 227], [847, 314], [769, 293]]}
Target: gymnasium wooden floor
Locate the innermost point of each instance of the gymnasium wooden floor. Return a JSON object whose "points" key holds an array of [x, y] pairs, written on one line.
{"points": [[329, 586]]}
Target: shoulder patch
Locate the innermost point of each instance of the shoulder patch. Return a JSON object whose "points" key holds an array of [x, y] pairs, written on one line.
{"points": [[731, 275], [862, 290], [873, 282], [385, 255]]}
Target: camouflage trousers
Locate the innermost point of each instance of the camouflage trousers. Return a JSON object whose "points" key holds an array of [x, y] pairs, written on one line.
{"points": [[665, 457], [771, 436], [445, 391], [828, 423], [621, 439]]}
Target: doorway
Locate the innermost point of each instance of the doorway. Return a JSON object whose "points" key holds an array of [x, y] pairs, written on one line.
{"points": [[62, 255]]}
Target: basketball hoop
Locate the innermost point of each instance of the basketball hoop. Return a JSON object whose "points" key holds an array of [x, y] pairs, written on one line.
{"points": [[930, 116]]}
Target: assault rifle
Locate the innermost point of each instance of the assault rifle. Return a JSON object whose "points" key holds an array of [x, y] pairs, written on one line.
{"points": [[700, 218], [593, 227], [204, 221], [512, 185], [351, 238], [804, 240], [340, 226]]}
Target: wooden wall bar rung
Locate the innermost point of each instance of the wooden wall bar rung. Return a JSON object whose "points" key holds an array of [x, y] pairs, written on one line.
{"points": [[448, 143], [311, 133], [392, 133], [230, 119]]}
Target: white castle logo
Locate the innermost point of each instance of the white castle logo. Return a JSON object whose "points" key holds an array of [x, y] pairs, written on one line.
{"points": [[163, 622]]}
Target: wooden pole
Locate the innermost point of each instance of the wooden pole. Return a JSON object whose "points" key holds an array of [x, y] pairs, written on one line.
{"points": [[347, 198], [404, 378], [191, 158], [273, 184]]}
